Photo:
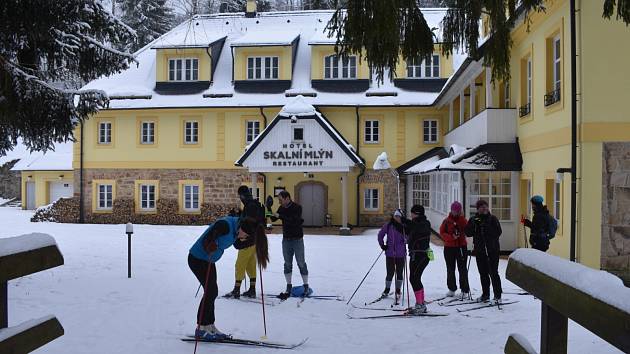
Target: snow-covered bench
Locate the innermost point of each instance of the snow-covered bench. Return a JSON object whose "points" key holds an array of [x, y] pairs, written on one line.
{"points": [[596, 300], [20, 256]]}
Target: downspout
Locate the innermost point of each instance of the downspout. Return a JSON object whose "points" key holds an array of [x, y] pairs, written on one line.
{"points": [[81, 197], [358, 199], [573, 133], [464, 206]]}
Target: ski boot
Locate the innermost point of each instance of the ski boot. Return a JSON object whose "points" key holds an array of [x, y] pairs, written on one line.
{"points": [[234, 294], [417, 310], [466, 296], [397, 297], [496, 300], [385, 293], [450, 293], [483, 298], [251, 293], [287, 294], [210, 333], [306, 290]]}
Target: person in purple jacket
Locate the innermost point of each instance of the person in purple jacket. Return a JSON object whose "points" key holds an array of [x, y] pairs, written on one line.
{"points": [[395, 252]]}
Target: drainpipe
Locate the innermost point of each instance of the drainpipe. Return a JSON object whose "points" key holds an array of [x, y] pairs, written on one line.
{"points": [[262, 113], [358, 199], [464, 206], [81, 213], [574, 128]]}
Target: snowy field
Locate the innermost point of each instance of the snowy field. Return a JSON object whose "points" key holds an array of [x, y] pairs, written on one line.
{"points": [[103, 312]]}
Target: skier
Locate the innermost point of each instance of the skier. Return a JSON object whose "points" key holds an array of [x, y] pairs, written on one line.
{"points": [[540, 225], [246, 258], [292, 240], [395, 252], [455, 250], [204, 254], [418, 229], [485, 230]]}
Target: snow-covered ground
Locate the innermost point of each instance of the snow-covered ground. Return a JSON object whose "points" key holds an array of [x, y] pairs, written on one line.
{"points": [[104, 312]]}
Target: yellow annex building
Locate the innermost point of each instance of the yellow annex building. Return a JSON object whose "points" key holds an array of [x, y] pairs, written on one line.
{"points": [[262, 99]]}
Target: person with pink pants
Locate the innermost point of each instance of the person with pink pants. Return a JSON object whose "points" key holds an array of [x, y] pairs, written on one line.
{"points": [[418, 230]]}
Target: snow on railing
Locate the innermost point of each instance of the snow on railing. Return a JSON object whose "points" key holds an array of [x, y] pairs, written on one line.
{"points": [[596, 300]]}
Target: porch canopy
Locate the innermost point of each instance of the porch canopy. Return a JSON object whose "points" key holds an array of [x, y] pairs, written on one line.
{"points": [[486, 157], [300, 139]]}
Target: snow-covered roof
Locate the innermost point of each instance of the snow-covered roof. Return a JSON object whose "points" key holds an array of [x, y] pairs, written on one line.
{"points": [[298, 107], [58, 160], [271, 27], [25, 243], [266, 38]]}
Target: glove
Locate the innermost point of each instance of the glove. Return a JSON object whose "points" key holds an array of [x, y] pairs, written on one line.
{"points": [[523, 219], [211, 246], [384, 247]]}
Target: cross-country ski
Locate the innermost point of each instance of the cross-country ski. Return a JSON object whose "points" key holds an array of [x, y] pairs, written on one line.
{"points": [[246, 342], [396, 315], [486, 305]]}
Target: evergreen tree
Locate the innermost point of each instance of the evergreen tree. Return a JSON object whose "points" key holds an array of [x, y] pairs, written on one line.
{"points": [[43, 44], [149, 18], [384, 29]]}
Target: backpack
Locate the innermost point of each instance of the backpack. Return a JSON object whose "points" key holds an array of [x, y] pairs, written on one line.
{"points": [[552, 226]]}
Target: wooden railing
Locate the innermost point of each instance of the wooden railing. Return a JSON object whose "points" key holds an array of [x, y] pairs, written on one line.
{"points": [[20, 256], [553, 280]]}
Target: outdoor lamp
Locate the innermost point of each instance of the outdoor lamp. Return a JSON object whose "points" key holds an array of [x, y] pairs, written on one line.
{"points": [[129, 231]]}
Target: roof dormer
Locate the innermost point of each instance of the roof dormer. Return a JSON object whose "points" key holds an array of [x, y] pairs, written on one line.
{"points": [[263, 61]]}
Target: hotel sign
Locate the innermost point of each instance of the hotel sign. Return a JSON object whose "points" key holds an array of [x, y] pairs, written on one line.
{"points": [[298, 154]]}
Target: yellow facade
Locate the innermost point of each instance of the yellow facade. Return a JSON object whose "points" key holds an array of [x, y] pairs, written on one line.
{"points": [[163, 56], [42, 180]]}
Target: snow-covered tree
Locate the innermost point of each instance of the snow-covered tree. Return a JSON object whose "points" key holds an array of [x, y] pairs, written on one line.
{"points": [[149, 18], [47, 48], [241, 5]]}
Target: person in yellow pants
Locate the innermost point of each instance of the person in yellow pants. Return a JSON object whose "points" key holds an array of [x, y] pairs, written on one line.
{"points": [[245, 263]]}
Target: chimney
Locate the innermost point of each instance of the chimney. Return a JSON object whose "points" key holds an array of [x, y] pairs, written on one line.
{"points": [[251, 8]]}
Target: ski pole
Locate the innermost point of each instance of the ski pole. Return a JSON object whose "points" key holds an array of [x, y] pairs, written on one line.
{"points": [[203, 305], [406, 275], [262, 296], [197, 293], [366, 274]]}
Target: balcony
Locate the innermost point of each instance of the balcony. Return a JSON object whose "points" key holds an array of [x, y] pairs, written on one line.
{"points": [[552, 97], [525, 110], [493, 125]]}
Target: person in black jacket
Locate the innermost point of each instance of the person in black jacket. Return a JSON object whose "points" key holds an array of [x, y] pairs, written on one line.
{"points": [[292, 240], [485, 229], [246, 259], [418, 231], [539, 225]]}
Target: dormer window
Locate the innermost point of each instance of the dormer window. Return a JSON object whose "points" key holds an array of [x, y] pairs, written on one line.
{"points": [[262, 68], [418, 68], [346, 68], [185, 69]]}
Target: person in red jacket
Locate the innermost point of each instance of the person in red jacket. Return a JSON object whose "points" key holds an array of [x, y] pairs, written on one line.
{"points": [[455, 250]]}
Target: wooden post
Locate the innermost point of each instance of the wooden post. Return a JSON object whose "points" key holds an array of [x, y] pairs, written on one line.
{"points": [[489, 100], [4, 305], [451, 116], [344, 201], [462, 102], [473, 89], [553, 331]]}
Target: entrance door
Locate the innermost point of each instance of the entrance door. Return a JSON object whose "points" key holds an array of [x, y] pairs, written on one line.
{"points": [[57, 190], [312, 199], [30, 195]]}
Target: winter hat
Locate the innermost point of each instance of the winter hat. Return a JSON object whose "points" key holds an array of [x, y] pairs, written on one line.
{"points": [[244, 191], [537, 199], [417, 209], [398, 213], [481, 203], [456, 207]]}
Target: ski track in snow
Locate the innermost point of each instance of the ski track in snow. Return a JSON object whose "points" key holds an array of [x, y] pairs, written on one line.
{"points": [[103, 312]]}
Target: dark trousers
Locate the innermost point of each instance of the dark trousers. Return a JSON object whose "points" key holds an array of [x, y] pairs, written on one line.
{"points": [[488, 266], [200, 269], [418, 262], [394, 265], [456, 256]]}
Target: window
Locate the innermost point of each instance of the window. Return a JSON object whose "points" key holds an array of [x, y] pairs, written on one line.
{"points": [[105, 133], [496, 189], [370, 199], [526, 87], [105, 197], [346, 68], [418, 68], [529, 81], [191, 197], [557, 197], [183, 69], [421, 190], [191, 132], [147, 196], [554, 65], [262, 68], [298, 134], [147, 136], [371, 132], [430, 131], [253, 129]]}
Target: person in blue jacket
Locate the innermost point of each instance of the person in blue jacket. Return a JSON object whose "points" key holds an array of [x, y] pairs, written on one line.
{"points": [[207, 251]]}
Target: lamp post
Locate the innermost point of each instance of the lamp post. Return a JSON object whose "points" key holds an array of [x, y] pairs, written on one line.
{"points": [[382, 163], [129, 231]]}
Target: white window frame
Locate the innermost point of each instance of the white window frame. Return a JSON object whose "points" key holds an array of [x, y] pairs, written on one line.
{"points": [[336, 68], [417, 70], [191, 132], [147, 196], [105, 197], [293, 128], [433, 135], [372, 131], [371, 199], [147, 132], [494, 182], [557, 65], [191, 197], [183, 69], [263, 68], [529, 82], [252, 130], [557, 199], [421, 190], [105, 133]]}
